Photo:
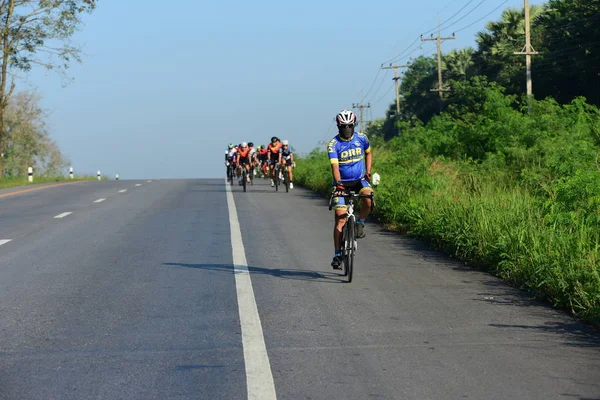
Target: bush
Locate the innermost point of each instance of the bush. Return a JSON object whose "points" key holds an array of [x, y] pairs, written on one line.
{"points": [[515, 193]]}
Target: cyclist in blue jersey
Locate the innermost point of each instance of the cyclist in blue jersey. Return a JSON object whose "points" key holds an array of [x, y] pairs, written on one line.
{"points": [[351, 157]]}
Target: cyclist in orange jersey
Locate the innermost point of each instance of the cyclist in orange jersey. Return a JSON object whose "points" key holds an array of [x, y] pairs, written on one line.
{"points": [[273, 156]]}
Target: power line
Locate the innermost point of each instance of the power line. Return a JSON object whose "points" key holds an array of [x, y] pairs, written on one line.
{"points": [[372, 84], [402, 52], [468, 13], [454, 15], [380, 84], [382, 97], [328, 134], [482, 18]]}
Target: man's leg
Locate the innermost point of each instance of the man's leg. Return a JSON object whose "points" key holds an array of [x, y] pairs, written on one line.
{"points": [[340, 220], [365, 210]]}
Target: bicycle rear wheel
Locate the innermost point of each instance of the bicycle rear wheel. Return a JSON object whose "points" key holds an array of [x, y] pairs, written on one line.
{"points": [[349, 249]]}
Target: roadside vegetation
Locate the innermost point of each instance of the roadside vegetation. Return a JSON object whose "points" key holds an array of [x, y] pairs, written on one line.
{"points": [[8, 182], [35, 34], [512, 191]]}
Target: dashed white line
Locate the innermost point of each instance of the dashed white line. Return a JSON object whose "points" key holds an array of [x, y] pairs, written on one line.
{"points": [[99, 201], [122, 191], [148, 181], [63, 214], [4, 241], [138, 184], [259, 378]]}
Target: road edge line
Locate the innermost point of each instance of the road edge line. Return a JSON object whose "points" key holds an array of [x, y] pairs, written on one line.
{"points": [[259, 377]]}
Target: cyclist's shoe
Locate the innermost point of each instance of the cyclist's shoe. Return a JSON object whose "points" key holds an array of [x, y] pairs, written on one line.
{"points": [[291, 185], [272, 183], [336, 263], [360, 231]]}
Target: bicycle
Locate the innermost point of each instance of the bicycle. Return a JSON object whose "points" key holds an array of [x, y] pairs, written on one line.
{"points": [[251, 174], [286, 178], [349, 243], [230, 172], [244, 177], [276, 178]]}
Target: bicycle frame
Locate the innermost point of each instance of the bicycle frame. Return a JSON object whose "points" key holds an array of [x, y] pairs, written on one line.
{"points": [[349, 243]]}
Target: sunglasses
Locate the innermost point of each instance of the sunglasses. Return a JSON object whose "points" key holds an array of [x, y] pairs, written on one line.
{"points": [[346, 126]]}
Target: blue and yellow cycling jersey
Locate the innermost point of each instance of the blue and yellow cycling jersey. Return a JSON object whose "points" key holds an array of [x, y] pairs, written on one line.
{"points": [[349, 155]]}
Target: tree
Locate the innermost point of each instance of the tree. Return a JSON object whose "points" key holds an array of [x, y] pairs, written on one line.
{"points": [[495, 56], [570, 62], [36, 32], [458, 64], [418, 80], [27, 142]]}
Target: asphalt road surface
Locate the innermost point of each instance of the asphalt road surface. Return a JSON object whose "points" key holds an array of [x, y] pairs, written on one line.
{"points": [[192, 289]]}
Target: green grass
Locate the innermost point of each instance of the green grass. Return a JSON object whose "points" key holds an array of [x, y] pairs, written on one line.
{"points": [[489, 222], [9, 182]]}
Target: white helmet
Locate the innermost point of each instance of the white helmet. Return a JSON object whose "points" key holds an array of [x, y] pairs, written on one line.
{"points": [[244, 144], [285, 143], [346, 117]]}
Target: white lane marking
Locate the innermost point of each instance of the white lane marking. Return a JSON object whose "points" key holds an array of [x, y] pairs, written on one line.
{"points": [[122, 191], [148, 181], [138, 184], [259, 378], [4, 241], [99, 201], [63, 214]]}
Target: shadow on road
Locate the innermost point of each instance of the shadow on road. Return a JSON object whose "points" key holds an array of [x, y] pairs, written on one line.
{"points": [[499, 293], [576, 334], [297, 274]]}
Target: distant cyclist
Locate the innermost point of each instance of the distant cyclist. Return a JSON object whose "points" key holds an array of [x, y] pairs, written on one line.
{"points": [[262, 157], [348, 151], [286, 157], [273, 156], [253, 153], [230, 156], [243, 161]]}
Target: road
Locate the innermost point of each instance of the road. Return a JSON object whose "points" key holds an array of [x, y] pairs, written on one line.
{"points": [[142, 295]]}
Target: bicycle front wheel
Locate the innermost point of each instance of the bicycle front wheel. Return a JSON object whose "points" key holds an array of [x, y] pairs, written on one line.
{"points": [[244, 177], [349, 248]]}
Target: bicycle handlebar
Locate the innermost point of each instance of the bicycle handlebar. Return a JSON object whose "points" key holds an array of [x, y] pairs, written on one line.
{"points": [[353, 195]]}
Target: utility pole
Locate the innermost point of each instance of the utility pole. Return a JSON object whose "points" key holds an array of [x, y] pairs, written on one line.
{"points": [[439, 39], [528, 51], [361, 121], [396, 78]]}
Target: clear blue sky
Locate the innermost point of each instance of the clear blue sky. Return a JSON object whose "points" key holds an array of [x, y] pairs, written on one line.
{"points": [[163, 89]]}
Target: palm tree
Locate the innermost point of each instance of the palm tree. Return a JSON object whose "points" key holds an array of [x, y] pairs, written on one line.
{"points": [[457, 64], [497, 43]]}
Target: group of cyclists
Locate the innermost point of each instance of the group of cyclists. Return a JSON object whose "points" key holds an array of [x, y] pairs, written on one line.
{"points": [[261, 158], [350, 156]]}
